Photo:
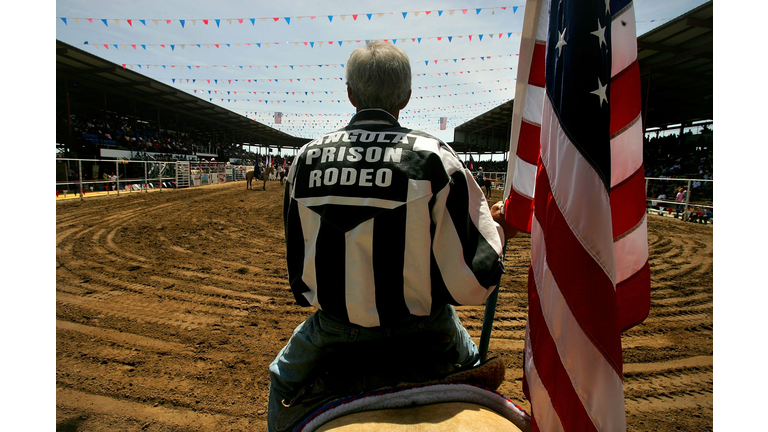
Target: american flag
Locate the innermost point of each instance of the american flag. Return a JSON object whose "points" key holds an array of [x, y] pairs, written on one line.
{"points": [[578, 188], [278, 117], [443, 122], [471, 163]]}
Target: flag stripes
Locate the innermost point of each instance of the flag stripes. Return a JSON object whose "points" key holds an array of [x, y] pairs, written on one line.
{"points": [[584, 205], [628, 207], [526, 143]]}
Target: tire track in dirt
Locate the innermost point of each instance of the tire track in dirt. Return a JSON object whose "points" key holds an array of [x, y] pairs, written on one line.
{"points": [[170, 307]]}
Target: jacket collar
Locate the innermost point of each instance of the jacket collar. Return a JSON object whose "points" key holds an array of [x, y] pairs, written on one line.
{"points": [[374, 116]]}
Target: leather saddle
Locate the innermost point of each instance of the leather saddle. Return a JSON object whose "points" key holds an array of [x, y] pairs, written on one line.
{"points": [[350, 369]]}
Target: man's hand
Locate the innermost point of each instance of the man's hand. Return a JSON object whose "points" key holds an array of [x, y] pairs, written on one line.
{"points": [[509, 232]]}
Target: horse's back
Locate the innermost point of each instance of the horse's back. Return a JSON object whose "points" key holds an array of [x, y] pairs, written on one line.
{"points": [[442, 417]]}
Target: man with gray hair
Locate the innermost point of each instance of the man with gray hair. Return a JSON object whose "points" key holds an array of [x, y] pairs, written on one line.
{"points": [[385, 232]]}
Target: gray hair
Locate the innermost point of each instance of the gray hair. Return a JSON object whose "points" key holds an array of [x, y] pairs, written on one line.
{"points": [[379, 76]]}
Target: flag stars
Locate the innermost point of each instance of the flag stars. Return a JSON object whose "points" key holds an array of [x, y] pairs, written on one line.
{"points": [[600, 92], [600, 33], [561, 43]]}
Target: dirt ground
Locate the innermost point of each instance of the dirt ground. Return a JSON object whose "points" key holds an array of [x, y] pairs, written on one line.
{"points": [[171, 305]]}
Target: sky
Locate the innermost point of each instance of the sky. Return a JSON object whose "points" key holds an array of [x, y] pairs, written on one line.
{"points": [[263, 57]]}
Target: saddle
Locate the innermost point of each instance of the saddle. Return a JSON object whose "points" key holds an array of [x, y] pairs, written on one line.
{"points": [[354, 368]]}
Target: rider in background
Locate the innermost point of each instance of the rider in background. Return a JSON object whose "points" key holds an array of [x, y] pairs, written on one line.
{"points": [[385, 231]]}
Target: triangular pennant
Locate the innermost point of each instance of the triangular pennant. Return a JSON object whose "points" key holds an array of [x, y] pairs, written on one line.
{"points": [[369, 16], [218, 22], [288, 20], [514, 9], [330, 18], [181, 21], [205, 21], [105, 22], [65, 20], [253, 21], [404, 14]]}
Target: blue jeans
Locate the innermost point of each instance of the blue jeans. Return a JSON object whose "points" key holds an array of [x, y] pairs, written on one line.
{"points": [[294, 364]]}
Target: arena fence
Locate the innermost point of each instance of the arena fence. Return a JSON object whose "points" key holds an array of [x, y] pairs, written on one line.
{"points": [[91, 177], [95, 177], [697, 203]]}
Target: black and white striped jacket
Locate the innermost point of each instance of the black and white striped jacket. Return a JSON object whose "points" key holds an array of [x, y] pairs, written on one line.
{"points": [[382, 222]]}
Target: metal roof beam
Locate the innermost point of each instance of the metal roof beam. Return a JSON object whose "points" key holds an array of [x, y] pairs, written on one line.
{"points": [[698, 22]]}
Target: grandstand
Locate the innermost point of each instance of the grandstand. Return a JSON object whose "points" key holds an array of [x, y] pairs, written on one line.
{"points": [[675, 62], [105, 111]]}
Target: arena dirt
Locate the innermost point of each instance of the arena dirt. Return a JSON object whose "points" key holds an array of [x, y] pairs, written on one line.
{"points": [[170, 306]]}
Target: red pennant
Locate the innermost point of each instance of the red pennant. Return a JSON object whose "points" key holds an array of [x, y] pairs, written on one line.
{"points": [[205, 21], [129, 23], [276, 19], [354, 17]]}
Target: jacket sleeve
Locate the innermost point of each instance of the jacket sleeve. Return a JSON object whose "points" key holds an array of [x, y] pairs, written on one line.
{"points": [[467, 243]]}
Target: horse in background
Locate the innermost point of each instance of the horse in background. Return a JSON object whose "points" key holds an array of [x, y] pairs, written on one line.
{"points": [[264, 176]]}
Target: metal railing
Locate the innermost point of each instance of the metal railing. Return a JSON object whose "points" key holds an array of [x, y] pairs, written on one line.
{"points": [[94, 177]]}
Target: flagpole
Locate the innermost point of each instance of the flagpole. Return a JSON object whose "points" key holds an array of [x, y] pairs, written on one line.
{"points": [[490, 311]]}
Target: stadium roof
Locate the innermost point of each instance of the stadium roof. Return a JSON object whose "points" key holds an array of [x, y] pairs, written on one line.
{"points": [[675, 62], [95, 77]]}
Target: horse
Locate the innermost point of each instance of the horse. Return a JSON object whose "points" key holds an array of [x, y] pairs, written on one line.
{"points": [[487, 183], [441, 417], [463, 400], [250, 175]]}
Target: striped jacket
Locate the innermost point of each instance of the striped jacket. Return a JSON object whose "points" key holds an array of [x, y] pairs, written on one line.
{"points": [[382, 222]]}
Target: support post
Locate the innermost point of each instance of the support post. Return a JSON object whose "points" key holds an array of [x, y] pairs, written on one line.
{"points": [[117, 177], [80, 177], [490, 311]]}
